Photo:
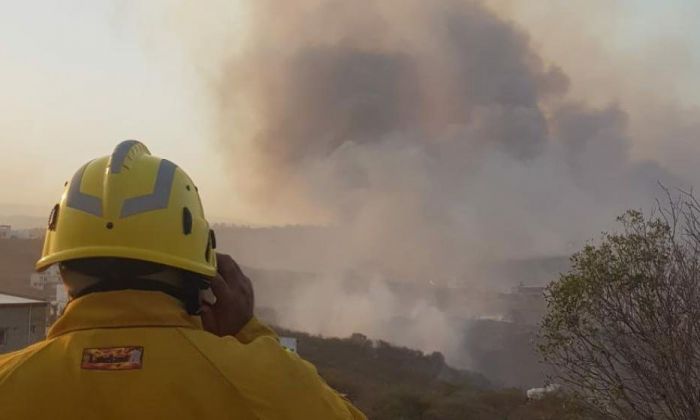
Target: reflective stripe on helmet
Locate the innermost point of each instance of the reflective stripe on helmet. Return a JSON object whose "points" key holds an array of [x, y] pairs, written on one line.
{"points": [[160, 196], [79, 201]]}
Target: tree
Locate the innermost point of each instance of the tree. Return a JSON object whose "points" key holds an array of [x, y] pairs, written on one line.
{"points": [[622, 328]]}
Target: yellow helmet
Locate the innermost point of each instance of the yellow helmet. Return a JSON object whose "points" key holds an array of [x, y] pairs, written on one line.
{"points": [[131, 205]]}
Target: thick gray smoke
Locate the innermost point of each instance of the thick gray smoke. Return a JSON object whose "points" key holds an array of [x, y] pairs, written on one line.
{"points": [[435, 140], [431, 130], [433, 137]]}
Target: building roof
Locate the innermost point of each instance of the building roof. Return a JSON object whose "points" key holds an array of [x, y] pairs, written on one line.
{"points": [[17, 300]]}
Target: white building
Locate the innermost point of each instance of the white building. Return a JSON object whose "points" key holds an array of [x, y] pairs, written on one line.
{"points": [[61, 300], [35, 233], [46, 279], [5, 231], [22, 322], [289, 343], [51, 284]]}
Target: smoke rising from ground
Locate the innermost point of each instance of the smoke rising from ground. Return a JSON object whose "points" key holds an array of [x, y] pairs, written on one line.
{"points": [[431, 135], [432, 131]]}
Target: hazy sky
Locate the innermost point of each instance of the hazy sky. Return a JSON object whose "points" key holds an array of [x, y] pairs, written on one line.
{"points": [[77, 77]]}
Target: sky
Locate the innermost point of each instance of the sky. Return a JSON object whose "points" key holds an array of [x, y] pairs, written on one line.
{"points": [[77, 77], [435, 135], [76, 80]]}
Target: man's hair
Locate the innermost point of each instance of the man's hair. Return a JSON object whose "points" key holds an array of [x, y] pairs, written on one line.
{"points": [[102, 274]]}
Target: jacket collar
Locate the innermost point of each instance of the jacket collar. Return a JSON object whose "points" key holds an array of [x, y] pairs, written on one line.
{"points": [[121, 309]]}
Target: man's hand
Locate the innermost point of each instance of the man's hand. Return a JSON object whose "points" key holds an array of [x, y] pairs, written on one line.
{"points": [[234, 299]]}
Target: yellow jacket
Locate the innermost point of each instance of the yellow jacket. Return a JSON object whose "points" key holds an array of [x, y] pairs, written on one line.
{"points": [[138, 355]]}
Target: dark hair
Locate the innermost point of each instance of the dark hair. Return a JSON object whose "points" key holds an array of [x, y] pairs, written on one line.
{"points": [[111, 274]]}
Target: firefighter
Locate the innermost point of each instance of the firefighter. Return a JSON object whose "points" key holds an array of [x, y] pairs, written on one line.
{"points": [[159, 326]]}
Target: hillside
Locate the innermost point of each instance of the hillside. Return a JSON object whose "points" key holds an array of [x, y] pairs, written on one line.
{"points": [[386, 381], [389, 382], [316, 248], [501, 351]]}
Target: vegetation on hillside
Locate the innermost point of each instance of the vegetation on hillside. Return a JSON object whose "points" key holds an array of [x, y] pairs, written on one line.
{"points": [[623, 326], [390, 383]]}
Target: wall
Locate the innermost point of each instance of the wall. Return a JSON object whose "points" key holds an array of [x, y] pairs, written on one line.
{"points": [[14, 319]]}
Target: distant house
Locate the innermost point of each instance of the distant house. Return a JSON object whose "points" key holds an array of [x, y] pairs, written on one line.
{"points": [[34, 233], [50, 283], [5, 231], [46, 279], [60, 302], [22, 322], [289, 343]]}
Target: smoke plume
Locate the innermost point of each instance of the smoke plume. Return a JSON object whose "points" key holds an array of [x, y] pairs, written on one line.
{"points": [[432, 131], [431, 136]]}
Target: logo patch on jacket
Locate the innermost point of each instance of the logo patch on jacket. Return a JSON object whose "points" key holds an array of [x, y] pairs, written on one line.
{"points": [[113, 358]]}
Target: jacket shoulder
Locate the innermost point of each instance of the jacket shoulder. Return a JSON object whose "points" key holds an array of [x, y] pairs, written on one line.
{"points": [[9, 362], [276, 383]]}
